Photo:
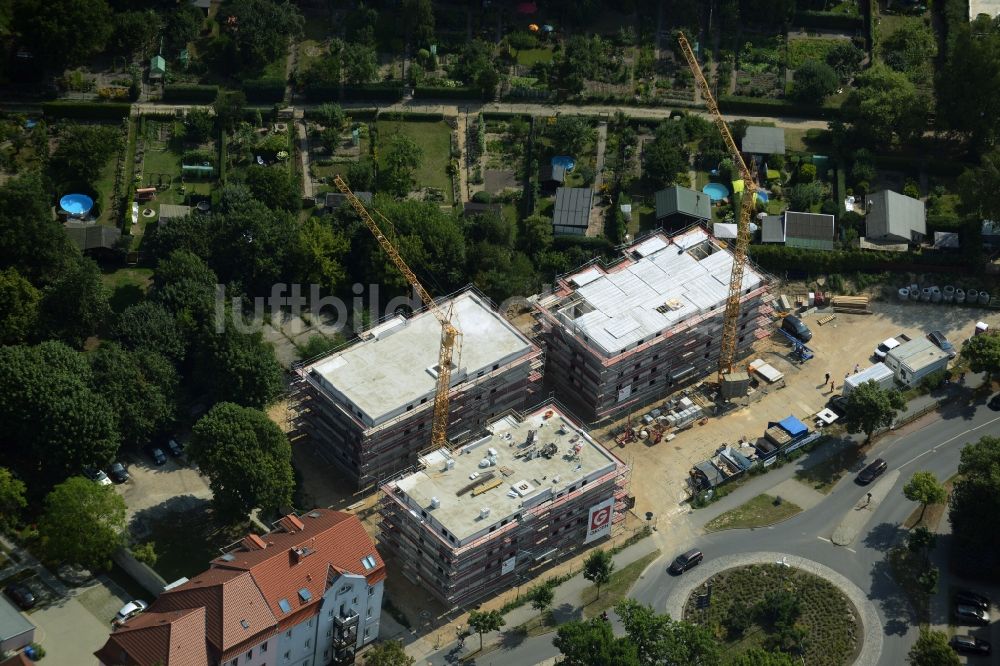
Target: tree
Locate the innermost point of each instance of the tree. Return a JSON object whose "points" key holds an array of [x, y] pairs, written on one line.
{"points": [[911, 50], [477, 66], [920, 540], [246, 457], [570, 134], [388, 653], [332, 116], [319, 254], [535, 234], [18, 307], [182, 25], [62, 33], [967, 86], [12, 501], [977, 188], [974, 505], [660, 640], [228, 107], [274, 187], [983, 353], [932, 649], [418, 20], [185, 287], [76, 304], [845, 59], [26, 221], [597, 568], [541, 597], [198, 124], [260, 30], [82, 152], [360, 63], [142, 390], [484, 621], [148, 327], [239, 367], [803, 196], [814, 82], [402, 156], [83, 522], [136, 32], [361, 176], [886, 106], [593, 643], [870, 407], [761, 657], [663, 161], [924, 487]]}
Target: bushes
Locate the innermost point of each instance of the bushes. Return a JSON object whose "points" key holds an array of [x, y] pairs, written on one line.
{"points": [[264, 90], [830, 20], [190, 93], [85, 110], [778, 259]]}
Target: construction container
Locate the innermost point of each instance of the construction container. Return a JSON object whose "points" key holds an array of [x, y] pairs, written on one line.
{"points": [[879, 373]]}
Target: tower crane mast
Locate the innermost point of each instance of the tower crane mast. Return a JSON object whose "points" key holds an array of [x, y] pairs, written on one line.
{"points": [[449, 333], [732, 312]]}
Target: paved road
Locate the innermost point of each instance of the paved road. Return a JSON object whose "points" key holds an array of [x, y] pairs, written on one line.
{"points": [[932, 443]]}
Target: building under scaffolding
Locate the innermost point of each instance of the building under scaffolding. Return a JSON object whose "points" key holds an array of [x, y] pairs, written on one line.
{"points": [[486, 516], [624, 335]]}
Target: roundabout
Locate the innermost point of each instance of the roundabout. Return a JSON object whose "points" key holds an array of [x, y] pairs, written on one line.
{"points": [[871, 627]]}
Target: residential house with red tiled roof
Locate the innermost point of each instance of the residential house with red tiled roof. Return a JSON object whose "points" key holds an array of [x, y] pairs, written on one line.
{"points": [[308, 593]]}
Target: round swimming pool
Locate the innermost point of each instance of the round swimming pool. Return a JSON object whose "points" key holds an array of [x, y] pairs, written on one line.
{"points": [[762, 196], [564, 161], [716, 191], [76, 205]]}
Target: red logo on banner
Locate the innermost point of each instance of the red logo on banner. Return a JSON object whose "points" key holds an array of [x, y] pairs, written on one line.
{"points": [[600, 518]]}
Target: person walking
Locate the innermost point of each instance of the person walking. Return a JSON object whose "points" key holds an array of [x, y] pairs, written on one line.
{"points": [[857, 368], [831, 386], [827, 379]]}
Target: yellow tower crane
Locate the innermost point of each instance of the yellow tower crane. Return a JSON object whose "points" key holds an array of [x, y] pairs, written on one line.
{"points": [[449, 333], [732, 313]]}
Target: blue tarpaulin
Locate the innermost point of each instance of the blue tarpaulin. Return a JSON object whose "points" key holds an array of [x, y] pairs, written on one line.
{"points": [[793, 426]]}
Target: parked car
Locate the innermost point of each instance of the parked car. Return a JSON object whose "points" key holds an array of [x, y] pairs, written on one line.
{"points": [[21, 595], [794, 326], [937, 337], [97, 476], [970, 598], [971, 615], [686, 561], [971, 645], [994, 403], [129, 610], [118, 473], [158, 456], [838, 405], [174, 448], [872, 471]]}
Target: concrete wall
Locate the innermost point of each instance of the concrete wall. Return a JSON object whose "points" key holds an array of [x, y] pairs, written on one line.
{"points": [[151, 581], [17, 642]]}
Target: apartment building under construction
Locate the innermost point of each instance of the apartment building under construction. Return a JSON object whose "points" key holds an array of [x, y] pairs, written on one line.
{"points": [[370, 404], [478, 519], [621, 336]]}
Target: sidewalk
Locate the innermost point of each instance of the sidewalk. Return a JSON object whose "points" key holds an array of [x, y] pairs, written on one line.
{"points": [[566, 606]]}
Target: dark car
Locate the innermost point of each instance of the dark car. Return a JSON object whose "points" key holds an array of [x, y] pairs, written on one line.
{"points": [[994, 403], [158, 456], [971, 615], [971, 645], [794, 326], [872, 472], [937, 337], [21, 595], [174, 448], [686, 561], [118, 473], [838, 405], [969, 598]]}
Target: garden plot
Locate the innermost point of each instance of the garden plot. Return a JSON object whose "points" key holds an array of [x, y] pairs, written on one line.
{"points": [[160, 154], [759, 68], [497, 152], [331, 150], [434, 140]]}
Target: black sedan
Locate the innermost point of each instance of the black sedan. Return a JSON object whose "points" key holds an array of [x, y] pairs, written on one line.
{"points": [[158, 456], [21, 595], [971, 615], [686, 561], [971, 645], [174, 448], [118, 473], [994, 403], [969, 598], [872, 472]]}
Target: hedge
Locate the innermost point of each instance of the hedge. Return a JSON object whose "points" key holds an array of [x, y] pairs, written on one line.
{"points": [[764, 106], [264, 90], [599, 243], [391, 91], [778, 259], [190, 93], [932, 165], [411, 115], [830, 20], [86, 110], [427, 92], [504, 115]]}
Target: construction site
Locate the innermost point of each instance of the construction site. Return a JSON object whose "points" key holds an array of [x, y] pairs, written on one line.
{"points": [[370, 403], [621, 336], [477, 519]]}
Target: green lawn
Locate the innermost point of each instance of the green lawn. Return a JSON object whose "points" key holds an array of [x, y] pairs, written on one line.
{"points": [[529, 57], [434, 139], [810, 48], [106, 190], [761, 511], [617, 588], [127, 286]]}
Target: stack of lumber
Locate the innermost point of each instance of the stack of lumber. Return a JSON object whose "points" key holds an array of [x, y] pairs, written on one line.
{"points": [[850, 304]]}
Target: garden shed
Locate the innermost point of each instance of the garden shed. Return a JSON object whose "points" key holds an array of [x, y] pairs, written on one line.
{"points": [[157, 68], [895, 217], [198, 170], [572, 211], [678, 207], [764, 140]]}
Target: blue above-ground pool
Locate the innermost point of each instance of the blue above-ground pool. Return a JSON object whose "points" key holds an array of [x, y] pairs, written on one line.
{"points": [[716, 191], [76, 205], [564, 161], [762, 196]]}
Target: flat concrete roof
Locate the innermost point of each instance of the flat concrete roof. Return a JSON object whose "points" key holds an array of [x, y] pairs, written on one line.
{"points": [[917, 354], [391, 370], [519, 482], [12, 623], [664, 281], [989, 7]]}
